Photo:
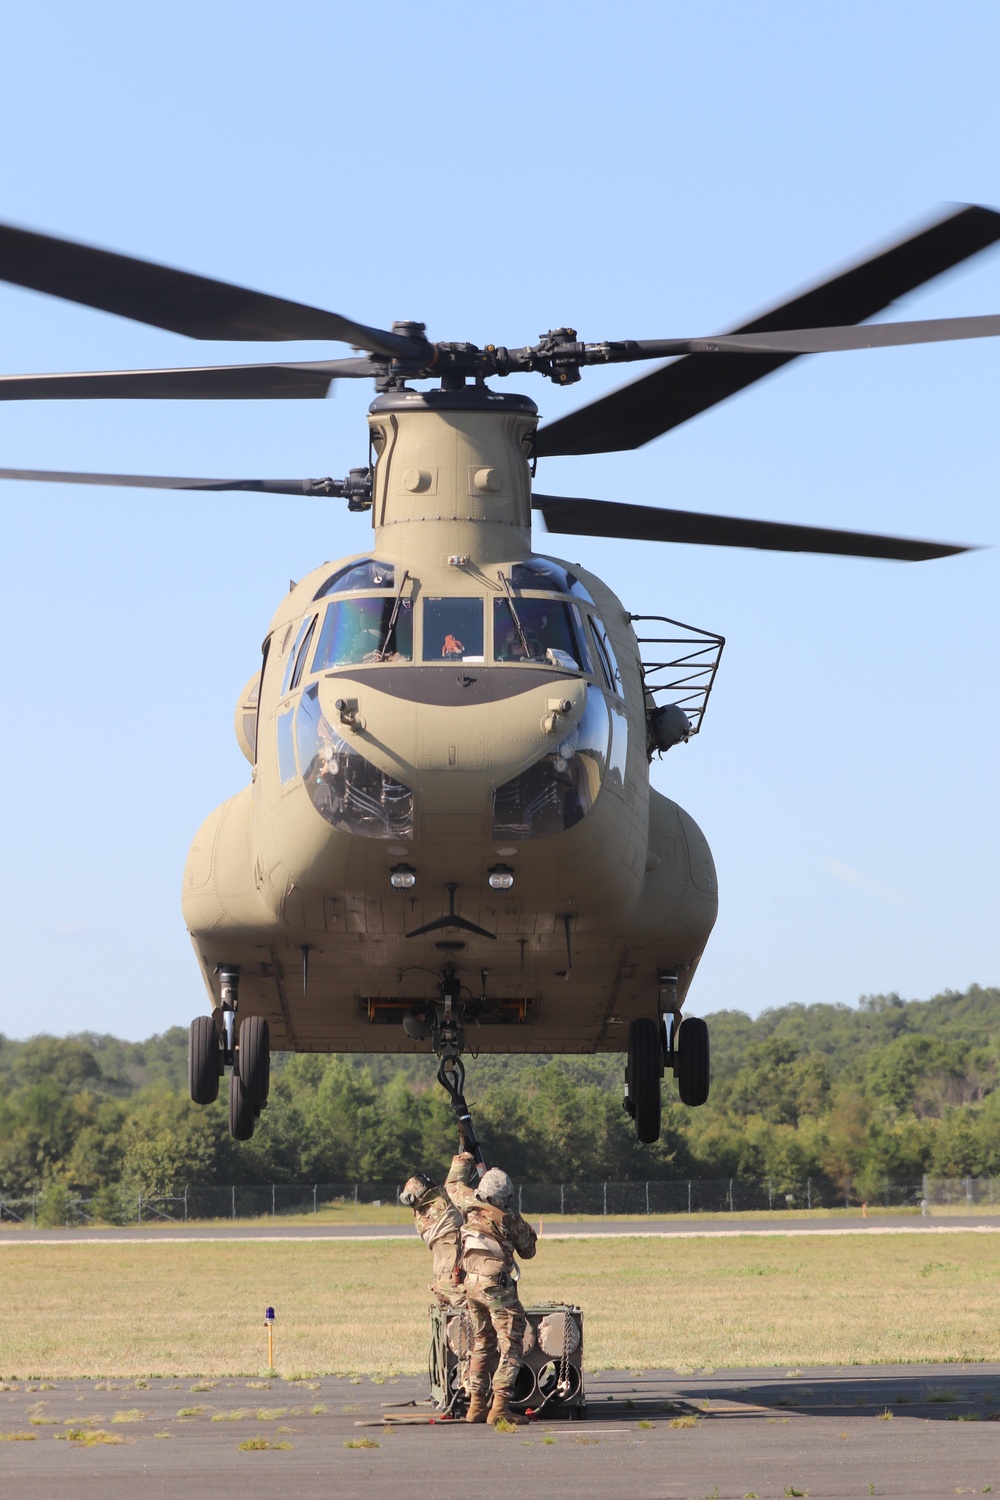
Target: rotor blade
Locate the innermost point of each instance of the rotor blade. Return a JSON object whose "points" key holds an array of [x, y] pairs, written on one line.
{"points": [[162, 482], [196, 306], [655, 404], [647, 523], [307, 380], [834, 340]]}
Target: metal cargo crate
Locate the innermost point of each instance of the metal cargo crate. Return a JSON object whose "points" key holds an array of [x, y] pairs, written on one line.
{"points": [[551, 1374]]}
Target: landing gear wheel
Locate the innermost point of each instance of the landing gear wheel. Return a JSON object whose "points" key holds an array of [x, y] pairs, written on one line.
{"points": [[203, 1060], [643, 1078], [691, 1042], [254, 1060], [241, 1115]]}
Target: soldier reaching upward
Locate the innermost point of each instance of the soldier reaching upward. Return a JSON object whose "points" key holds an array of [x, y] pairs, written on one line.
{"points": [[439, 1224], [491, 1234]]}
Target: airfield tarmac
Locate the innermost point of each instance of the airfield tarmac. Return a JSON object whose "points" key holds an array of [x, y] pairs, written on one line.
{"points": [[905, 1430]]}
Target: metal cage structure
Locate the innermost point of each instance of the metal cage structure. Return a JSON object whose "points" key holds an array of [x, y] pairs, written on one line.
{"points": [[686, 674], [550, 1379]]}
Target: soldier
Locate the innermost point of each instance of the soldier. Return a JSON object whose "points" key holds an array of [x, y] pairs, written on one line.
{"points": [[439, 1224], [491, 1233]]}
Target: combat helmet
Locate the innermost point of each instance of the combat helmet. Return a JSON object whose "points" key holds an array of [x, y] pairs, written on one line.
{"points": [[496, 1188], [415, 1189]]}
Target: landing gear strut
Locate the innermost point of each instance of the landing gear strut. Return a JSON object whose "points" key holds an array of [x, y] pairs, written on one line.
{"points": [[216, 1043]]}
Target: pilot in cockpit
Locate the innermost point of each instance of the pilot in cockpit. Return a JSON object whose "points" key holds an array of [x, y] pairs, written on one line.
{"points": [[512, 648]]}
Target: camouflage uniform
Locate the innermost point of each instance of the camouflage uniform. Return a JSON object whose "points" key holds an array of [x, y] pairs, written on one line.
{"points": [[490, 1238], [439, 1224]]}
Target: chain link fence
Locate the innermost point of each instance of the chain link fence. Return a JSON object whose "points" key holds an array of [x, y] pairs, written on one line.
{"points": [[963, 1193], [236, 1201], [706, 1196], [633, 1199]]}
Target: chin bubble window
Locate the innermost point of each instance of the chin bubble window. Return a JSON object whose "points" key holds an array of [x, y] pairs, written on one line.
{"points": [[561, 788], [365, 630], [539, 630], [453, 630], [344, 787]]}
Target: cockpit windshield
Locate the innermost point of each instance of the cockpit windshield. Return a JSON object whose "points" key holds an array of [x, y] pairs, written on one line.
{"points": [[453, 630], [365, 574], [539, 630], [362, 630]]}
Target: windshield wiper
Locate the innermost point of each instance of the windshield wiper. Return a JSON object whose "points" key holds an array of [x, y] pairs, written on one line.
{"points": [[397, 605], [510, 604]]}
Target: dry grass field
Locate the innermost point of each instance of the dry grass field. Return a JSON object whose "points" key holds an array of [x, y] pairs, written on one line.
{"points": [[128, 1310]]}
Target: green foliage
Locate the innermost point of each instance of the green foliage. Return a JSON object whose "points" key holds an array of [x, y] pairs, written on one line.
{"points": [[54, 1206], [890, 1089]]}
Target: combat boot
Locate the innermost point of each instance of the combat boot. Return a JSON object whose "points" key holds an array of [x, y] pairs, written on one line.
{"points": [[501, 1411], [477, 1407]]}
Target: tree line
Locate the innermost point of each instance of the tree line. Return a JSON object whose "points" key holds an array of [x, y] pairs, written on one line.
{"points": [[889, 1089]]}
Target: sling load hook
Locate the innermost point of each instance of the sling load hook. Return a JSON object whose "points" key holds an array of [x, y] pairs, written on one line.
{"points": [[451, 1077]]}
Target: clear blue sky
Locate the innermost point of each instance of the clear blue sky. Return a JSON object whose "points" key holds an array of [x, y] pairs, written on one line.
{"points": [[641, 170]]}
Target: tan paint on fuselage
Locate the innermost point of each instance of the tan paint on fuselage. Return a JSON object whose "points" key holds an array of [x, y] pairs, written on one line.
{"points": [[267, 876]]}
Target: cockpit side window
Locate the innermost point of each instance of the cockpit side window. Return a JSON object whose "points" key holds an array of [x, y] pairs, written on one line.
{"points": [[366, 574], [255, 700], [293, 655], [303, 655], [609, 662], [362, 630], [540, 630]]}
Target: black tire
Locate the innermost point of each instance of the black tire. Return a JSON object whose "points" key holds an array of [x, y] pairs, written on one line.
{"points": [[241, 1115], [644, 1078], [692, 1060], [203, 1060], [254, 1059]]}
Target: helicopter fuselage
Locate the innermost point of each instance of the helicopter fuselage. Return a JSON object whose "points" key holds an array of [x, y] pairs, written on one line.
{"points": [[450, 834], [449, 748]]}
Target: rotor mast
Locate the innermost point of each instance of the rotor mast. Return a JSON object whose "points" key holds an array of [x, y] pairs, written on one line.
{"points": [[456, 459]]}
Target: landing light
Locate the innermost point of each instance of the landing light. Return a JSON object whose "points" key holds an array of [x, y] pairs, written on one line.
{"points": [[402, 877], [501, 877]]}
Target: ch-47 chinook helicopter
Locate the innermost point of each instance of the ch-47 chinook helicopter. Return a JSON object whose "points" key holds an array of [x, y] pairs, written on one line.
{"points": [[449, 835]]}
